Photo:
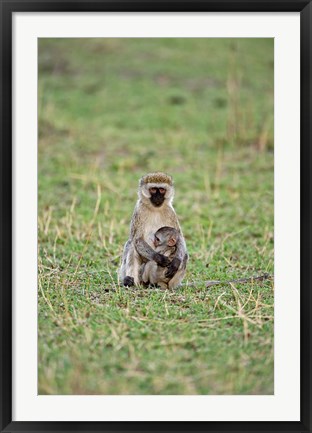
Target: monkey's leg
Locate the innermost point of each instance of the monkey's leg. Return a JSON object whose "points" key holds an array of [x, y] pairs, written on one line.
{"points": [[146, 272], [131, 263], [178, 277], [153, 273], [178, 262], [141, 271], [176, 280], [159, 277]]}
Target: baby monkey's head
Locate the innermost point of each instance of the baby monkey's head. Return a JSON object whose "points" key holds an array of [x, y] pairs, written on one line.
{"points": [[166, 237]]}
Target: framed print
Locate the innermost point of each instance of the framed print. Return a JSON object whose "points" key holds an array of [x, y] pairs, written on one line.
{"points": [[155, 216]]}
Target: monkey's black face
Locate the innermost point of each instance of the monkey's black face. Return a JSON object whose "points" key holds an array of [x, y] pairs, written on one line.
{"points": [[157, 196]]}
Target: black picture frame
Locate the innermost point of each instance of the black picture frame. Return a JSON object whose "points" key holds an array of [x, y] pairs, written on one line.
{"points": [[7, 10]]}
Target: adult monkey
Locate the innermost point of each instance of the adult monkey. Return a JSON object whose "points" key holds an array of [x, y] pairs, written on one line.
{"points": [[153, 210]]}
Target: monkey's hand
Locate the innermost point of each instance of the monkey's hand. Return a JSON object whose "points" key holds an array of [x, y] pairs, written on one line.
{"points": [[128, 281], [149, 254], [173, 267], [161, 260]]}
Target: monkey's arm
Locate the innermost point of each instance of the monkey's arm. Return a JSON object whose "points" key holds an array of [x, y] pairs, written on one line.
{"points": [[148, 253], [180, 256]]}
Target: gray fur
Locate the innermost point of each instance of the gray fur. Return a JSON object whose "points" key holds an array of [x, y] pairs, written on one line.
{"points": [[146, 220], [153, 273]]}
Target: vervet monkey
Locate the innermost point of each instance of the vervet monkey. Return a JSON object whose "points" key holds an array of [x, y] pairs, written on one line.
{"points": [[153, 210], [166, 240]]}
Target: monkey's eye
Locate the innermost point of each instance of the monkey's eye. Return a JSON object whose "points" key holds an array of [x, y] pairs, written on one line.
{"points": [[162, 190], [153, 190], [156, 239]]}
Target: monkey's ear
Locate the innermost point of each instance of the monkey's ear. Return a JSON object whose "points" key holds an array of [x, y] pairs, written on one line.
{"points": [[172, 242]]}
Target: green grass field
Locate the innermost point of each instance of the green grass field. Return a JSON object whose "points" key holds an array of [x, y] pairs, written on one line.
{"points": [[111, 110]]}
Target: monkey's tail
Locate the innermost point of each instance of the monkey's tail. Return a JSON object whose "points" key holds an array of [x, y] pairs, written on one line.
{"points": [[262, 277]]}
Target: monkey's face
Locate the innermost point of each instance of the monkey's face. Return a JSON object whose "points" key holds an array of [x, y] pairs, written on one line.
{"points": [[157, 196], [166, 237], [159, 240], [156, 241], [168, 241], [156, 193]]}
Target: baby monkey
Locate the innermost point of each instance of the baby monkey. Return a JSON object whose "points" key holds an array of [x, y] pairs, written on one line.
{"points": [[165, 242]]}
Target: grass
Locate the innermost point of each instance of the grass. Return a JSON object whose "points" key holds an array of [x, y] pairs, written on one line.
{"points": [[111, 110]]}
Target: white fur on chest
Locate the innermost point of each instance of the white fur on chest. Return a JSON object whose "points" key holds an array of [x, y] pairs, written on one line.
{"points": [[154, 222]]}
